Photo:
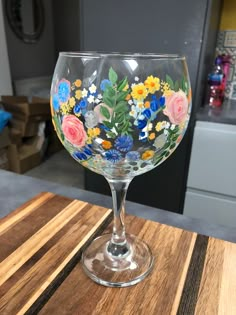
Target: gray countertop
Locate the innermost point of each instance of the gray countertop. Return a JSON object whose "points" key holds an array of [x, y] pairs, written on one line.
{"points": [[17, 189], [226, 114]]}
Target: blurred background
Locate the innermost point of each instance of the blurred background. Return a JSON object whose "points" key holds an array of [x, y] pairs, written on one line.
{"points": [[198, 180]]}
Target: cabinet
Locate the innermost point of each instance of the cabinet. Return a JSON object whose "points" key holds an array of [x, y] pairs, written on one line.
{"points": [[211, 184]]}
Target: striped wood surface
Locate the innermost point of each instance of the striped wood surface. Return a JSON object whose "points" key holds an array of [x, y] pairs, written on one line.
{"points": [[41, 244]]}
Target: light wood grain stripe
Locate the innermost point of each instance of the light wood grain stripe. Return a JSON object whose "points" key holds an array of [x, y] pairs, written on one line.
{"points": [[8, 222], [183, 276], [86, 231], [14, 261]]}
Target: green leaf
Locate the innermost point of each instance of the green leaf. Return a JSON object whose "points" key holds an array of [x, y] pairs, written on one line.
{"points": [[110, 91], [112, 76], [158, 160], [111, 134], [107, 124], [172, 146], [108, 101], [105, 112], [119, 118], [176, 86], [175, 137], [122, 84], [167, 154], [121, 107], [170, 82], [121, 96]]}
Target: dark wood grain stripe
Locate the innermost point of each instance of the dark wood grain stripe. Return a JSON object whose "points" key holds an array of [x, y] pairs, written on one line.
{"points": [[191, 287]]}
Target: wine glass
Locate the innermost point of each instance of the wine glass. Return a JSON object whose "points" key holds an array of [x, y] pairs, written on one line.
{"points": [[120, 115]]}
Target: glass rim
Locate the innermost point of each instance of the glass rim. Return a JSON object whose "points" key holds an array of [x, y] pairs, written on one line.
{"points": [[100, 54]]}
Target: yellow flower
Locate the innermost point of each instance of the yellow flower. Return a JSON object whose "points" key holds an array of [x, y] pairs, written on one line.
{"points": [[151, 136], [140, 105], [89, 140], [152, 84], [106, 144], [147, 154], [78, 83], [139, 91], [165, 88], [78, 94], [65, 108], [158, 126], [128, 97], [94, 132], [72, 102]]}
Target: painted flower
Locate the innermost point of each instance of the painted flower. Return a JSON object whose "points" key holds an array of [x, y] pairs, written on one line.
{"points": [[79, 156], [97, 108], [84, 93], [93, 89], [147, 113], [151, 136], [88, 151], [176, 107], [72, 102], [93, 132], [104, 84], [78, 83], [139, 91], [78, 94], [83, 104], [76, 109], [148, 154], [152, 84], [63, 90], [91, 119], [154, 103], [106, 144], [124, 143], [142, 123], [73, 130], [55, 102], [147, 104], [132, 155], [113, 155], [160, 141], [91, 99]]}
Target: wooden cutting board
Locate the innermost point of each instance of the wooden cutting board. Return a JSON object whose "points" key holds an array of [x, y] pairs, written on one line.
{"points": [[40, 270]]}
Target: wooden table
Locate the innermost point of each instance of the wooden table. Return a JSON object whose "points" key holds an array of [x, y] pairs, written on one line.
{"points": [[40, 272]]}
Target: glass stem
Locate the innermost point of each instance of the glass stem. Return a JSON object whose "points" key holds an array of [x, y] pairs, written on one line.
{"points": [[118, 245]]}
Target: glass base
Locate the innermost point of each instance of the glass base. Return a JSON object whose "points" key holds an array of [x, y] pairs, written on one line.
{"points": [[112, 271]]}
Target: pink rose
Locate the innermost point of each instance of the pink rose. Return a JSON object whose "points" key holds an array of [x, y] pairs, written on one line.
{"points": [[98, 113], [176, 107], [73, 130]]}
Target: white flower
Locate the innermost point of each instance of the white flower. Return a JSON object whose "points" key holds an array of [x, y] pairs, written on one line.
{"points": [[167, 126], [166, 132], [150, 125], [172, 127], [92, 88], [91, 99], [84, 93], [100, 96], [130, 102], [97, 101], [99, 140], [136, 79], [133, 84], [91, 119]]}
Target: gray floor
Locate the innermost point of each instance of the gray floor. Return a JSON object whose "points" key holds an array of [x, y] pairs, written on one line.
{"points": [[60, 168]]}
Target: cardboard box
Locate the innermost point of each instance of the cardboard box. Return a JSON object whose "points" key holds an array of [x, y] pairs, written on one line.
{"points": [[15, 137], [24, 159], [26, 128], [38, 109], [4, 138], [4, 162]]}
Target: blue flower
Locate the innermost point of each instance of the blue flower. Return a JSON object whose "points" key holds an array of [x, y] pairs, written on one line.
{"points": [[104, 127], [76, 109], [63, 90], [133, 155], [83, 104], [142, 134], [113, 156], [124, 143], [142, 124], [154, 105], [147, 113], [104, 84], [88, 151], [162, 100], [79, 156], [55, 102]]}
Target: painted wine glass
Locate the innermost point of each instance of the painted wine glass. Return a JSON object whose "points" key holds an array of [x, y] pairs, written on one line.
{"points": [[120, 115]]}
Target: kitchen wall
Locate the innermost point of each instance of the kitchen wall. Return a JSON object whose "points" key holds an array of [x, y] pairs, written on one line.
{"points": [[5, 78], [32, 60]]}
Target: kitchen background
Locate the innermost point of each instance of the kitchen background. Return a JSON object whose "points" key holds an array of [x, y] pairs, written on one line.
{"points": [[199, 178]]}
